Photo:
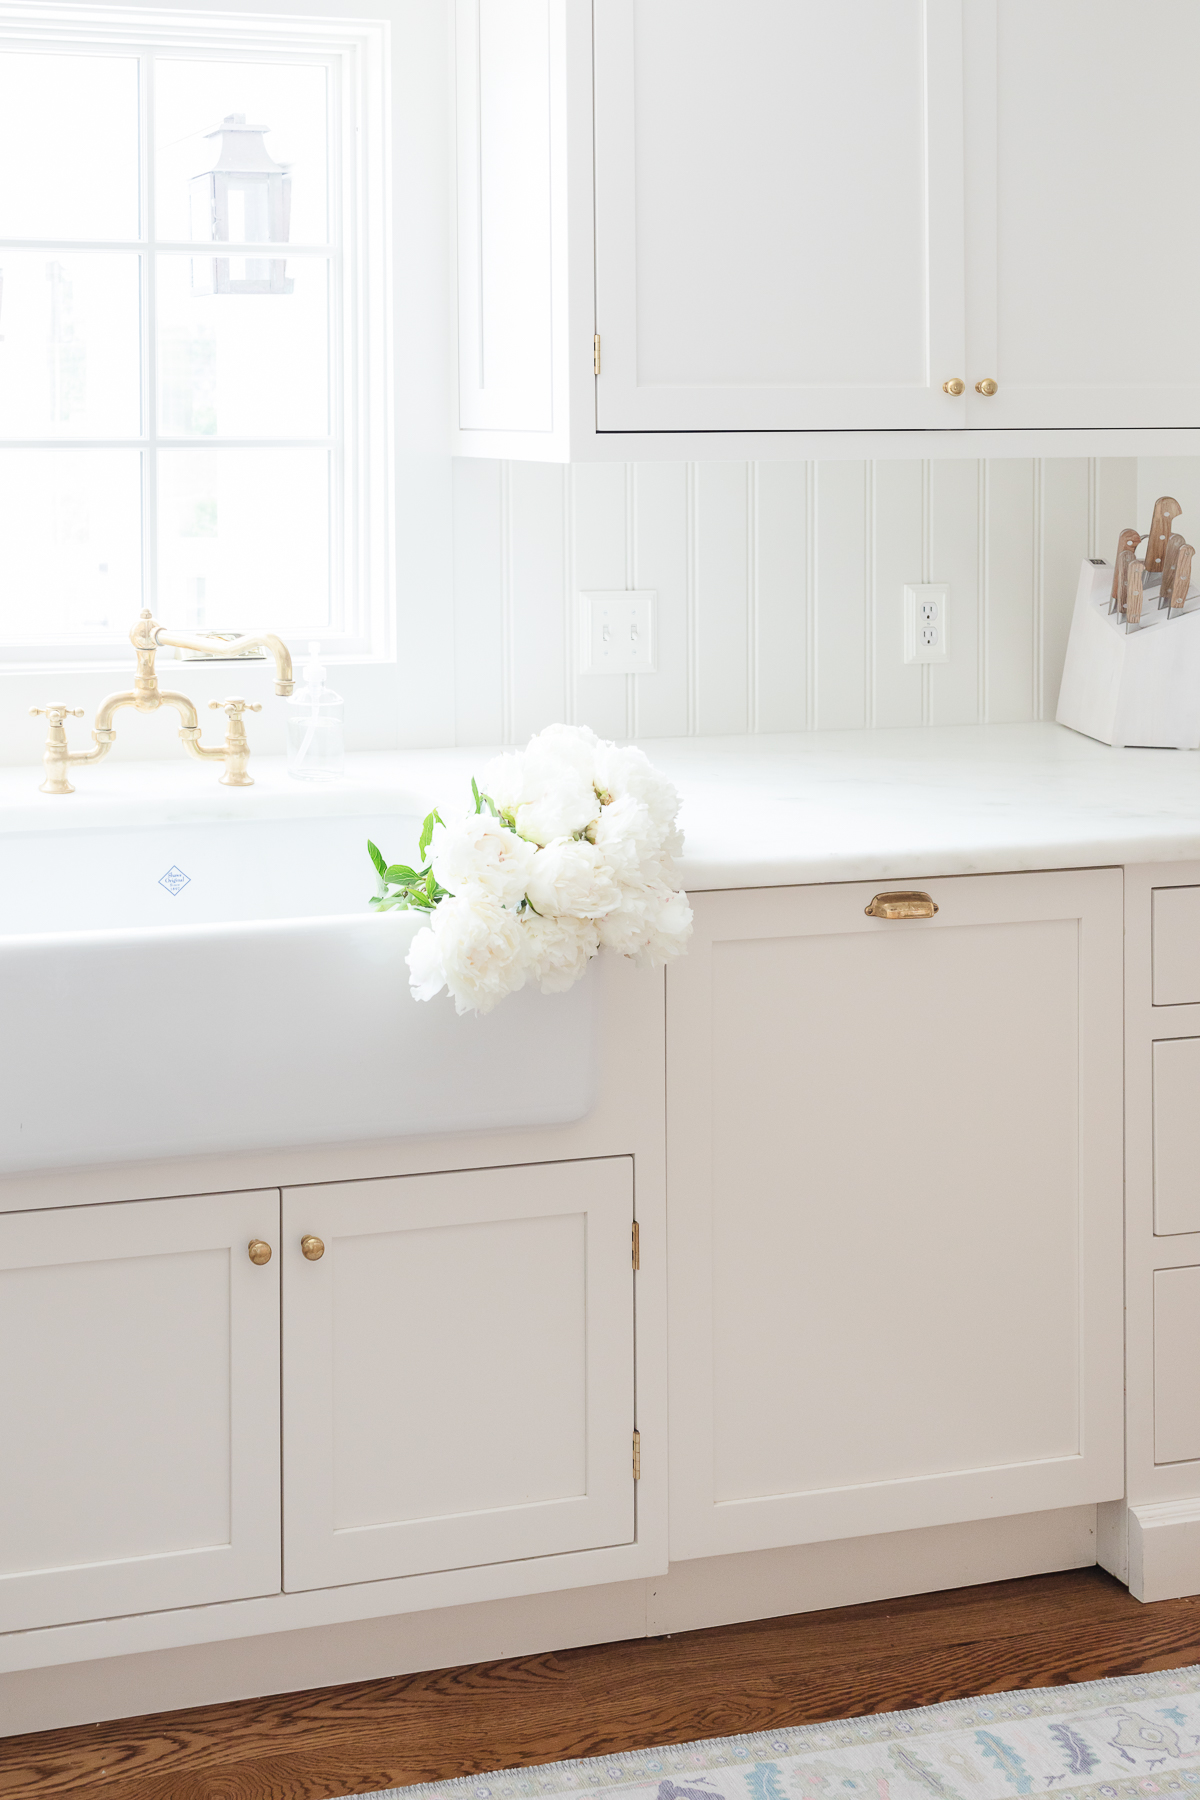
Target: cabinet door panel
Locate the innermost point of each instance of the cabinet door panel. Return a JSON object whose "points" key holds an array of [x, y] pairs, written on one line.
{"points": [[895, 1171], [1079, 131], [778, 214], [459, 1370], [139, 1410], [1176, 1361], [504, 168]]}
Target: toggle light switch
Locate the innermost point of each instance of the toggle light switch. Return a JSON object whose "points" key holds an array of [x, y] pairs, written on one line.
{"points": [[618, 631]]}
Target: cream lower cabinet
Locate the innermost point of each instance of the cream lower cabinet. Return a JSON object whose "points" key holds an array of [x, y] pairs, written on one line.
{"points": [[139, 1408], [895, 1197], [458, 1370]]}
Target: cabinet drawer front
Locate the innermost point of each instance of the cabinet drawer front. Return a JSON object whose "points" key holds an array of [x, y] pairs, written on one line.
{"points": [[459, 1359], [894, 1167], [139, 1411], [1176, 927], [1176, 1136], [1177, 1365]]}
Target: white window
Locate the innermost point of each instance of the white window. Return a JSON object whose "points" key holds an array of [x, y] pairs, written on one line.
{"points": [[194, 383]]}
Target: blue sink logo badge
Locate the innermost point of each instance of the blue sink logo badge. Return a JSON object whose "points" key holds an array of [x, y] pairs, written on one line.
{"points": [[174, 880]]}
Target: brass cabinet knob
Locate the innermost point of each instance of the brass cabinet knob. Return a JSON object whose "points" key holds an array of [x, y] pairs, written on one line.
{"points": [[313, 1248], [953, 386], [905, 905], [987, 387], [258, 1252]]}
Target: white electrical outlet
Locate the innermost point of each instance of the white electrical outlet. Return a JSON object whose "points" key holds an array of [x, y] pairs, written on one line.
{"points": [[925, 638], [620, 632]]}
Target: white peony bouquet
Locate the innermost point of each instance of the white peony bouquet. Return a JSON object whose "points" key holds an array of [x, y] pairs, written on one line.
{"points": [[568, 851]]}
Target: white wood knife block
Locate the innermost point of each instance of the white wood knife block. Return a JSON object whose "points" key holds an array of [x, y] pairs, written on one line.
{"points": [[1137, 687]]}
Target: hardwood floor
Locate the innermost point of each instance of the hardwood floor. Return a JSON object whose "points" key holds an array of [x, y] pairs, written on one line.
{"points": [[331, 1741]]}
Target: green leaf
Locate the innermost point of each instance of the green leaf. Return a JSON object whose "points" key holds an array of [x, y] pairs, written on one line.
{"points": [[377, 859], [400, 874], [431, 887], [478, 796], [434, 818]]}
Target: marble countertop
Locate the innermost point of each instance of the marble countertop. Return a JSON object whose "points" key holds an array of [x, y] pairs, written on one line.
{"points": [[764, 810]]}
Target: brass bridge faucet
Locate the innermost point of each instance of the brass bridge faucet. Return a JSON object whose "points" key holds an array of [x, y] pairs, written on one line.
{"points": [[147, 637]]}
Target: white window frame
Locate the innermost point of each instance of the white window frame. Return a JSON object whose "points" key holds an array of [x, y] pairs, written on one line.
{"points": [[357, 53]]}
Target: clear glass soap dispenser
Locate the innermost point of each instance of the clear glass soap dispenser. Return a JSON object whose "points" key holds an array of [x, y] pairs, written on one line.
{"points": [[315, 732]]}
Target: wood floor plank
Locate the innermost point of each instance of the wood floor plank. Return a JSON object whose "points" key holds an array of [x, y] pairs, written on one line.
{"points": [[609, 1698]]}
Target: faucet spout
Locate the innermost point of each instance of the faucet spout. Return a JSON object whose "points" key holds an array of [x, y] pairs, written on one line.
{"points": [[253, 640]]}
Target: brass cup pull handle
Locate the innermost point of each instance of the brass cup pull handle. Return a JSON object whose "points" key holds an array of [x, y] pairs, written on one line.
{"points": [[312, 1248], [258, 1252], [953, 386], [986, 387], [901, 906]]}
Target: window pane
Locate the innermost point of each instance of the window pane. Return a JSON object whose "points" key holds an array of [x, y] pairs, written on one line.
{"points": [[70, 523], [242, 364], [243, 539], [69, 357], [289, 99], [68, 146]]}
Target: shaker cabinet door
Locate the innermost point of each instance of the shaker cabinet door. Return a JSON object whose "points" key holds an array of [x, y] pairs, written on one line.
{"points": [[139, 1408], [458, 1370], [895, 1196], [1083, 180], [778, 214]]}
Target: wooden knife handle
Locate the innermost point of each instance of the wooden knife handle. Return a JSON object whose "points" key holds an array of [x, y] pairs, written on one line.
{"points": [[1165, 509], [1133, 592], [1175, 544], [1181, 577], [1128, 540]]}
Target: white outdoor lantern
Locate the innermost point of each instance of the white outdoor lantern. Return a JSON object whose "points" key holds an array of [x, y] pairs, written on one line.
{"points": [[244, 198]]}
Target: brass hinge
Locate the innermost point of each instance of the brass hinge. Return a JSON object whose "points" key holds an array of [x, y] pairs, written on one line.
{"points": [[637, 1246], [596, 354], [637, 1456]]}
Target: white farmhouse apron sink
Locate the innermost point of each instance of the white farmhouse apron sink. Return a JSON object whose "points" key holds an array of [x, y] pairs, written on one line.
{"points": [[220, 986]]}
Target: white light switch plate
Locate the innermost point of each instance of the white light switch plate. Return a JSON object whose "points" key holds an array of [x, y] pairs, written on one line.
{"points": [[925, 639], [620, 631]]}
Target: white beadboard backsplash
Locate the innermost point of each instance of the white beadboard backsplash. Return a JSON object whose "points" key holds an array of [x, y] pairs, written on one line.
{"points": [[780, 589]]}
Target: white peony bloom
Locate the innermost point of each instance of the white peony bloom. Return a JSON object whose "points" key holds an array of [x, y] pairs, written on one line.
{"points": [[570, 876], [563, 747], [506, 781], [480, 852], [564, 807], [480, 947], [628, 839], [557, 951], [626, 770], [547, 791], [629, 928], [426, 976], [671, 926]]}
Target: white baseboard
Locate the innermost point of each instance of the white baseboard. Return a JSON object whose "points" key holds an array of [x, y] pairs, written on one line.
{"points": [[1164, 1549], [720, 1590]]}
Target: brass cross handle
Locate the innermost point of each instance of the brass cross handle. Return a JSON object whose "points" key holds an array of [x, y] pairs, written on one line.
{"points": [[56, 714], [235, 708]]}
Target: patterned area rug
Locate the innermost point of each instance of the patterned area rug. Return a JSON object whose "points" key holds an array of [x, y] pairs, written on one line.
{"points": [[1102, 1740]]}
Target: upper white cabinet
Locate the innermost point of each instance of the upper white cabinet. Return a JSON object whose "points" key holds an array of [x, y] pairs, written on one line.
{"points": [[782, 227], [779, 217], [1079, 141], [894, 1154]]}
